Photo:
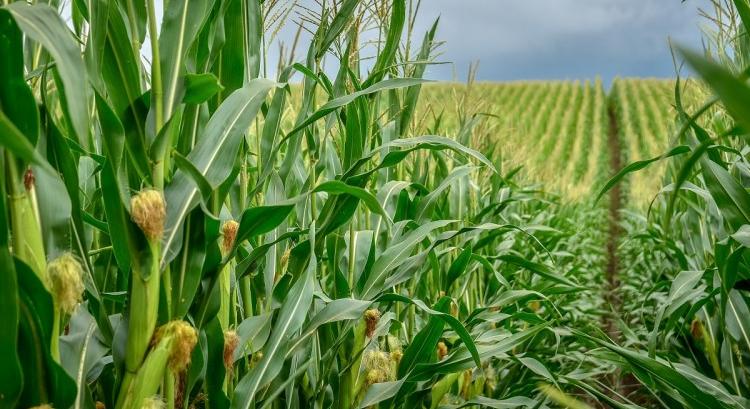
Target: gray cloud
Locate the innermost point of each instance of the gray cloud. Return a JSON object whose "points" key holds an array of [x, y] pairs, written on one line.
{"points": [[547, 39], [559, 39]]}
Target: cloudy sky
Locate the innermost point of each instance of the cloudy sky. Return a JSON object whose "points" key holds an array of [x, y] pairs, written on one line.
{"points": [[559, 39], [548, 39]]}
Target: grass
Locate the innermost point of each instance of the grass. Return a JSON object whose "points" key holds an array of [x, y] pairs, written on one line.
{"points": [[183, 232]]}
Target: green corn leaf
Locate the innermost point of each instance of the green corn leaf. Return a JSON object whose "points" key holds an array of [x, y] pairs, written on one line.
{"points": [[337, 310], [742, 235], [422, 347], [80, 351], [537, 268], [731, 197], [426, 204], [412, 93], [380, 392], [734, 93], [16, 97], [197, 177], [386, 56], [180, 25], [342, 19], [408, 145], [45, 381], [188, 268], [743, 9], [509, 403], [463, 357], [334, 104], [662, 374], [289, 320], [41, 23], [372, 283], [19, 145], [212, 157], [11, 377], [262, 219], [456, 326], [458, 266], [537, 367], [336, 187], [248, 264], [272, 126], [199, 88], [253, 333], [738, 318], [638, 165]]}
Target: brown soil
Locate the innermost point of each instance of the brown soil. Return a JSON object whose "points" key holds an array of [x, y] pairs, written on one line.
{"points": [[615, 203], [627, 385]]}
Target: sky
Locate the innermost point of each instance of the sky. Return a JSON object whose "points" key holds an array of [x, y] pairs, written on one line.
{"points": [[544, 39], [557, 39], [563, 39]]}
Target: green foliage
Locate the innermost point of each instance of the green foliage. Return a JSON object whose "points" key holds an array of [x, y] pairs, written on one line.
{"points": [[686, 268], [248, 243]]}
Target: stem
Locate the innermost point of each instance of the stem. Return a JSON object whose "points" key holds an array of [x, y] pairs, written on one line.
{"points": [[244, 282], [352, 254], [263, 44], [258, 137], [158, 173], [244, 182], [55, 341], [99, 250], [167, 283], [156, 86], [156, 93], [245, 293], [314, 179], [134, 43], [233, 321], [169, 392]]}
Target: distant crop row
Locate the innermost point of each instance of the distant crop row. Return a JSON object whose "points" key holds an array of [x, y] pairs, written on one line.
{"points": [[558, 130], [645, 114], [555, 130]]}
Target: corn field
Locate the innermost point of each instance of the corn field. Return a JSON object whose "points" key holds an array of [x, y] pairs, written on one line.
{"points": [[181, 229], [556, 131]]}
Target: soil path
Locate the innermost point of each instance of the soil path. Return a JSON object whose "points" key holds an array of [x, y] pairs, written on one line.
{"points": [[615, 204], [622, 386]]}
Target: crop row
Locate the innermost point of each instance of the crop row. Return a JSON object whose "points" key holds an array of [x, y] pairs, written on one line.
{"points": [[644, 114], [555, 130]]}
